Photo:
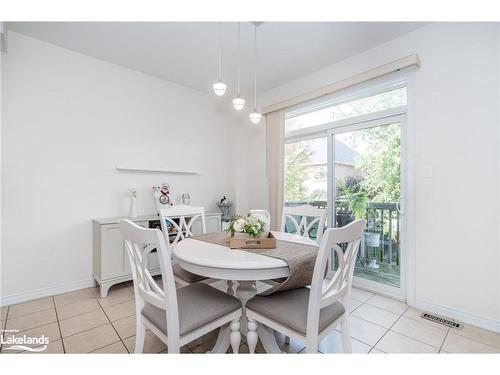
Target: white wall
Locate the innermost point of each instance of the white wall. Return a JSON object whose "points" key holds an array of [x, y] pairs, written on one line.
{"points": [[456, 121], [69, 119]]}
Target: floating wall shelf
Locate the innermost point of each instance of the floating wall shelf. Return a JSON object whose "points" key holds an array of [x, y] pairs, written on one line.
{"points": [[155, 169]]}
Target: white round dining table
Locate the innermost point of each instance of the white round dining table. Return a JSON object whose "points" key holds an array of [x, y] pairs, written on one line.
{"points": [[246, 268]]}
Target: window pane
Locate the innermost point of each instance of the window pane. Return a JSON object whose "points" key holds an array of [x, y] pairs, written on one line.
{"points": [[374, 103], [306, 172]]}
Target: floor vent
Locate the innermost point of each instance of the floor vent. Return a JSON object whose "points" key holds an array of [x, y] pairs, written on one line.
{"points": [[443, 321]]}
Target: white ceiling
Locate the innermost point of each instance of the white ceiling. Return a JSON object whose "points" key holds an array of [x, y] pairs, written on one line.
{"points": [[186, 52]]}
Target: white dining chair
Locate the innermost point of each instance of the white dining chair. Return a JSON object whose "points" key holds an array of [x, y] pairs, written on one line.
{"points": [[309, 314], [181, 218], [263, 215], [308, 217], [176, 316]]}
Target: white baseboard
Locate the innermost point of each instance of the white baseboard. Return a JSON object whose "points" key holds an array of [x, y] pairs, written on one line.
{"points": [[462, 316], [46, 292]]}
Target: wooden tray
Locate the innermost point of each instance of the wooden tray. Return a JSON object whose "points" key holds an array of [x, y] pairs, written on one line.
{"points": [[252, 243]]}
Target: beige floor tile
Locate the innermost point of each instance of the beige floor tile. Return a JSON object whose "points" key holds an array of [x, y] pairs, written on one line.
{"points": [[116, 296], [376, 351], [207, 342], [83, 322], [295, 346], [376, 315], [184, 350], [37, 319], [152, 344], [77, 308], [116, 348], [125, 327], [425, 333], [414, 314], [242, 350], [31, 307], [461, 344], [354, 304], [91, 340], [397, 307], [476, 333], [361, 295], [74, 297], [394, 342], [120, 311], [332, 344], [3, 313], [365, 331]]}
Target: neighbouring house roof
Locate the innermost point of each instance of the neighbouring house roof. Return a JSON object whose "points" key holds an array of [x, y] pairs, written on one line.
{"points": [[343, 154]]}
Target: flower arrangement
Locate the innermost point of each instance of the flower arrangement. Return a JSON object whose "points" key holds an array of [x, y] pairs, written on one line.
{"points": [[249, 224]]}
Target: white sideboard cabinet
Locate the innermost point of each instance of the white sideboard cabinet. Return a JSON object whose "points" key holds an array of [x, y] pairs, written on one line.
{"points": [[111, 265]]}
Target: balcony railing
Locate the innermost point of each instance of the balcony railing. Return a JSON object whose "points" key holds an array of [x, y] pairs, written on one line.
{"points": [[379, 256]]}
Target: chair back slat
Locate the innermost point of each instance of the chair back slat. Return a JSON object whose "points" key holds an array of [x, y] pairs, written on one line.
{"points": [[139, 243], [184, 228], [305, 213], [326, 291]]}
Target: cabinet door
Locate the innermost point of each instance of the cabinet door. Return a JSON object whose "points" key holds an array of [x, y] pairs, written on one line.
{"points": [[114, 261], [114, 257]]}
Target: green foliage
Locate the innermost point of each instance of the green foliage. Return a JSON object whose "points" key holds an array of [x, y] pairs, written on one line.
{"points": [[351, 197], [379, 163], [297, 155]]}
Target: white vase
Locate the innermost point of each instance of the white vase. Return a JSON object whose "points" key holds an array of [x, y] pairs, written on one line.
{"points": [[242, 235], [133, 207]]}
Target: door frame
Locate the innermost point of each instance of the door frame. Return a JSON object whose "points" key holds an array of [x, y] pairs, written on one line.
{"points": [[354, 124]]}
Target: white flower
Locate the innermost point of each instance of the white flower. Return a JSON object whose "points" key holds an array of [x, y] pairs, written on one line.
{"points": [[239, 225], [257, 226]]}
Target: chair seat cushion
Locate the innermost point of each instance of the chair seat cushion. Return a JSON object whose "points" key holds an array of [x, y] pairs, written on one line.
{"points": [[289, 309], [199, 304], [186, 276]]}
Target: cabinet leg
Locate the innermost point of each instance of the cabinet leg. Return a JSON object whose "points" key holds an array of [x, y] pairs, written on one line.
{"points": [[104, 288]]}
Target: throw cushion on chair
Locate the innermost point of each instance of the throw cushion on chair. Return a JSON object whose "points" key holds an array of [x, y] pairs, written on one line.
{"points": [[289, 308], [199, 304]]}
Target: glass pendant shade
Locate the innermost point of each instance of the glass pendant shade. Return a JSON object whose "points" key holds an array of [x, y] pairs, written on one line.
{"points": [[255, 117], [219, 88], [238, 103]]}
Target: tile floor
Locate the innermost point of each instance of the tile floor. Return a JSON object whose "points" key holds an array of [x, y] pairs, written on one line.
{"points": [[81, 322]]}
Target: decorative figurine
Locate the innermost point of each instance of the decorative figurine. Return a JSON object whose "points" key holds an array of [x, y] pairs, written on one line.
{"points": [[186, 199], [162, 196], [225, 206], [133, 202]]}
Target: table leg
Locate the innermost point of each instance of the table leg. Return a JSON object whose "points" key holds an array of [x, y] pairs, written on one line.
{"points": [[245, 291], [230, 289]]}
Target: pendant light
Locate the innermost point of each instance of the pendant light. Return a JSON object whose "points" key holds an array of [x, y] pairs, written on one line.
{"points": [[239, 102], [219, 86], [255, 116]]}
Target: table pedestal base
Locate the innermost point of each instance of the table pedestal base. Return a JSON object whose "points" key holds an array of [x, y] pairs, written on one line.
{"points": [[245, 291]]}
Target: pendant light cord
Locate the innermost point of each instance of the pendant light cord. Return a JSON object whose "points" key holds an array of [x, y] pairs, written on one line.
{"points": [[220, 51], [239, 58], [255, 68]]}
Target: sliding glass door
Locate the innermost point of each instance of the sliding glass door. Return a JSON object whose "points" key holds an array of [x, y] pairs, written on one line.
{"points": [[366, 183]]}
